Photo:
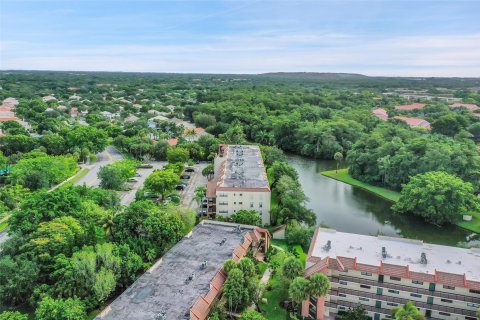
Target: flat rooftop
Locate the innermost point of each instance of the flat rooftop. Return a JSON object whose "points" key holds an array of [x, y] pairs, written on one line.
{"points": [[244, 168], [164, 292], [400, 251]]}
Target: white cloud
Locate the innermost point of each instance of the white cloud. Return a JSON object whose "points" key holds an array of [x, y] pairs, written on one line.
{"points": [[271, 50]]}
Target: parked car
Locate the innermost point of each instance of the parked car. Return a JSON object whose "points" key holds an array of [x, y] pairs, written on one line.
{"points": [[202, 212], [132, 180], [180, 187], [185, 176], [190, 169]]}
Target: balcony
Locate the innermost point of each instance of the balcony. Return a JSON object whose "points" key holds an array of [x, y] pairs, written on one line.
{"points": [[451, 296], [402, 301]]}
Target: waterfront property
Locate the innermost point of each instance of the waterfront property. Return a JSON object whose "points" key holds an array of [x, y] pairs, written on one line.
{"points": [[188, 279], [381, 273], [240, 182]]}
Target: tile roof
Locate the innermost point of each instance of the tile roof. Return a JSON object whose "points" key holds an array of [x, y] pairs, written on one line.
{"points": [[469, 106], [408, 107], [414, 122]]}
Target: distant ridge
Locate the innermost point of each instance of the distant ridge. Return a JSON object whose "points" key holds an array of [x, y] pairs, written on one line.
{"points": [[315, 75]]}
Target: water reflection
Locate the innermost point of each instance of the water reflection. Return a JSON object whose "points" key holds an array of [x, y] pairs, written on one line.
{"points": [[349, 209]]}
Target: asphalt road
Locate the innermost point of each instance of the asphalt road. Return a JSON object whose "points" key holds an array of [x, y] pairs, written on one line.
{"points": [[128, 197], [109, 155]]}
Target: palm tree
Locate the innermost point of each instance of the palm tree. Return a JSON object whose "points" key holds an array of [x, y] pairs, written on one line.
{"points": [[407, 312], [319, 285], [338, 156], [299, 289]]}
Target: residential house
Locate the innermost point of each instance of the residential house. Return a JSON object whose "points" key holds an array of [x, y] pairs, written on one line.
{"points": [[415, 122], [410, 107], [380, 113]]}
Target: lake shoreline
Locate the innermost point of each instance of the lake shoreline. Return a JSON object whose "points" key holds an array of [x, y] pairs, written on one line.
{"points": [[390, 195]]}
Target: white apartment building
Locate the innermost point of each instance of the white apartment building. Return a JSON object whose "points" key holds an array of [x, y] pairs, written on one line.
{"points": [[240, 182], [381, 273]]}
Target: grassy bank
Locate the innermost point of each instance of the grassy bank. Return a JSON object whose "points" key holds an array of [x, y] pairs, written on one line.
{"points": [[289, 248], [343, 176], [80, 174]]}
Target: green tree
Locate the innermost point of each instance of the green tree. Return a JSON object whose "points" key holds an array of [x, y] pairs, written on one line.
{"points": [[338, 156], [162, 181], [251, 315], [229, 265], [357, 313], [280, 169], [250, 217], [298, 234], [438, 197], [318, 285], [177, 154], [208, 171], [114, 175], [69, 309], [292, 268], [299, 290], [18, 276], [407, 312], [13, 315], [91, 138], [235, 293], [200, 194]]}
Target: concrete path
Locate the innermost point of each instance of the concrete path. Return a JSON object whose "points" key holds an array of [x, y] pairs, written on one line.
{"points": [[108, 156]]}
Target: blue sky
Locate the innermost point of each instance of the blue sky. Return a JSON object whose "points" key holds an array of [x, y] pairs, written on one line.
{"points": [[382, 37]]}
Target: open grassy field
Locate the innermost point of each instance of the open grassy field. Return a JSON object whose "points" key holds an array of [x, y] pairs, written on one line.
{"points": [[343, 176]]}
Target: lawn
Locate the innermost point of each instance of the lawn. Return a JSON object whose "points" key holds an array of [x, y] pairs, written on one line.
{"points": [[342, 175], [3, 225], [473, 225], [300, 253], [276, 293], [80, 174]]}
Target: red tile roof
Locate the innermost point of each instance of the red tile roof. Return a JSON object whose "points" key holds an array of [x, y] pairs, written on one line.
{"points": [[408, 107], [415, 122], [172, 142], [380, 113], [469, 106]]}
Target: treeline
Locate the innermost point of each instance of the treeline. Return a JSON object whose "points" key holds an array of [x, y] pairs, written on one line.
{"points": [[390, 155], [72, 249]]}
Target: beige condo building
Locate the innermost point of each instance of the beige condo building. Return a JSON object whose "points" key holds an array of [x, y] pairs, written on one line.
{"points": [[240, 182], [381, 273]]}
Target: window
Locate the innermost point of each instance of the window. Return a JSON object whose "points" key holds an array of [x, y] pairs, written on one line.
{"points": [[260, 205], [235, 202], [366, 274], [444, 313], [363, 299], [343, 282], [240, 203], [240, 194], [470, 318], [449, 287], [341, 308], [393, 291], [223, 211], [223, 195], [473, 305], [342, 295], [416, 295], [395, 278], [417, 282], [392, 304], [475, 291], [364, 286], [251, 204], [446, 300]]}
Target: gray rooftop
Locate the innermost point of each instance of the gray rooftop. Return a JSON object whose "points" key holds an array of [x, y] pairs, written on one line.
{"points": [[244, 168], [164, 289]]}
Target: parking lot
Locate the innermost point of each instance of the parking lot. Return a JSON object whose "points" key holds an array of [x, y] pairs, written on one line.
{"points": [[187, 196]]}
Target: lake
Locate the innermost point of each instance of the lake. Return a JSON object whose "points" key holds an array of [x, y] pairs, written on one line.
{"points": [[350, 209]]}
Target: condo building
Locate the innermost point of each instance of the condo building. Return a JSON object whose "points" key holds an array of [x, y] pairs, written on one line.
{"points": [[239, 183], [381, 273]]}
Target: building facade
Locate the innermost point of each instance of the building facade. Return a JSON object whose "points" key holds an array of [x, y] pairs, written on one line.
{"points": [[240, 182], [381, 273]]}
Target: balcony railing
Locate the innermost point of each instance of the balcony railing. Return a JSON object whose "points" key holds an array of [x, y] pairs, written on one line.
{"points": [[411, 289], [349, 304], [401, 301]]}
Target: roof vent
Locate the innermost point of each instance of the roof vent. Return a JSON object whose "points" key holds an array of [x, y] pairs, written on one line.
{"points": [[384, 253], [162, 315], [223, 241], [328, 246], [204, 264], [423, 258]]}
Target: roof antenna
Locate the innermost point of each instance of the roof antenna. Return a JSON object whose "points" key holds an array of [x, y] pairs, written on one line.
{"points": [[423, 258]]}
